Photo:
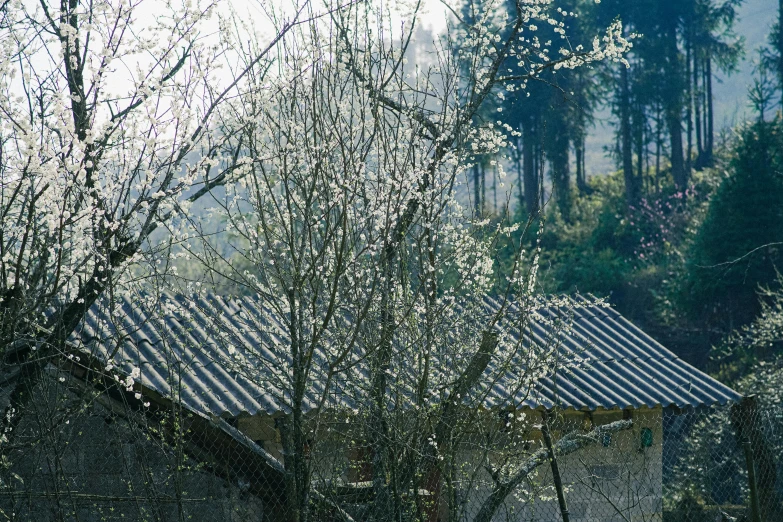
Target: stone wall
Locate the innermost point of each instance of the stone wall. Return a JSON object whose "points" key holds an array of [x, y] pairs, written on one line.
{"points": [[75, 457]]}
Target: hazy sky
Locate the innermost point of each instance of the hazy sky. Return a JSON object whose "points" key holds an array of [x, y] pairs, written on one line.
{"points": [[730, 91]]}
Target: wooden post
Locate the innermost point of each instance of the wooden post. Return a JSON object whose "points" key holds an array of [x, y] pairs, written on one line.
{"points": [[555, 469], [754, 496], [746, 419]]}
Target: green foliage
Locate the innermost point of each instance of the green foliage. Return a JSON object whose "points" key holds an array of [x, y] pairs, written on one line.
{"points": [[587, 254], [733, 251], [609, 249], [753, 353], [635, 255]]}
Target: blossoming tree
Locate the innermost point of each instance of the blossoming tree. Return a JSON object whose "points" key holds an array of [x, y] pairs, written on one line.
{"points": [[101, 112], [347, 221], [340, 164]]}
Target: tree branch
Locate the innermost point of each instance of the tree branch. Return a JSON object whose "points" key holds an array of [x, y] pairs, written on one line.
{"points": [[570, 443]]}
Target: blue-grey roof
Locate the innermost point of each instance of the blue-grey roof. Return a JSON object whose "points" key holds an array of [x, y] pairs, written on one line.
{"points": [[228, 357]]}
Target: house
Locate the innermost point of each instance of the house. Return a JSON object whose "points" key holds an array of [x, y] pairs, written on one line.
{"points": [[169, 408]]}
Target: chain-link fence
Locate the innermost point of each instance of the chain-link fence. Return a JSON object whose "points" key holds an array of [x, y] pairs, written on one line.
{"points": [[724, 463], [88, 449]]}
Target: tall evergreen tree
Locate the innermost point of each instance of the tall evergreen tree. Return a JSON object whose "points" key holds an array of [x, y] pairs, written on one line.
{"points": [[552, 114], [713, 46], [737, 247], [773, 53], [670, 82]]}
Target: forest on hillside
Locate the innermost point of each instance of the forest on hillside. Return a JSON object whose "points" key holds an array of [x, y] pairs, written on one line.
{"points": [[685, 235]]}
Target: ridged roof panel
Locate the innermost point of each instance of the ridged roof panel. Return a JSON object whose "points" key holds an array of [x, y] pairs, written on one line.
{"points": [[229, 357]]}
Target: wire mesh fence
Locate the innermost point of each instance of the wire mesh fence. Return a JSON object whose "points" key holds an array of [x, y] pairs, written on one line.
{"points": [[88, 449]]}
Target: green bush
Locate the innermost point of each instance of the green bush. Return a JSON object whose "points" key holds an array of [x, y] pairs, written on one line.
{"points": [[731, 253]]}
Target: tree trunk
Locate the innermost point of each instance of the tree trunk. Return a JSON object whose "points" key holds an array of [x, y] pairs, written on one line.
{"points": [[697, 111], [380, 360], [639, 121], [296, 486], [483, 177], [581, 176], [705, 112], [675, 136], [673, 106], [558, 481], [710, 113], [478, 204], [494, 190], [540, 167], [570, 443], [689, 107], [520, 177], [632, 192], [747, 422], [292, 430], [780, 45], [529, 167], [658, 144], [561, 175]]}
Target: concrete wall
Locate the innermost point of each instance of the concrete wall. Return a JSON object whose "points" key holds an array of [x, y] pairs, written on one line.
{"points": [[619, 481]]}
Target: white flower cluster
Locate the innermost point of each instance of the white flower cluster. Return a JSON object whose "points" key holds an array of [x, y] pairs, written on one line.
{"points": [[93, 136]]}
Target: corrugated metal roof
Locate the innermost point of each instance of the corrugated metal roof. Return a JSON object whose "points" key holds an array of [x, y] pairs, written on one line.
{"points": [[227, 357]]}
